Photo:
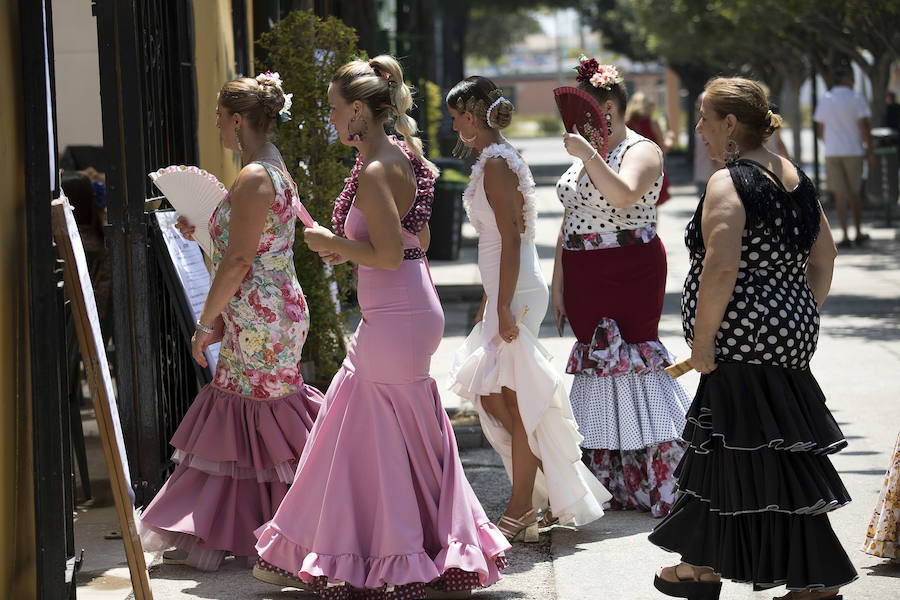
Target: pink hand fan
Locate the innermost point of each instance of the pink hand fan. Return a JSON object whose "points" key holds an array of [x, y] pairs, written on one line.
{"points": [[582, 112]]}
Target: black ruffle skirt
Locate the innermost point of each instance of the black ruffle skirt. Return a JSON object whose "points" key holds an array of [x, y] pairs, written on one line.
{"points": [[756, 481]]}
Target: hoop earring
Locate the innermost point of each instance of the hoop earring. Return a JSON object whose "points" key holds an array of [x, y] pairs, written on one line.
{"points": [[462, 149], [732, 151], [237, 138], [608, 124]]}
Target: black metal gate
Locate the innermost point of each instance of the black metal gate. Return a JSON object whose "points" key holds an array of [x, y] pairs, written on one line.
{"points": [[53, 493], [148, 92]]}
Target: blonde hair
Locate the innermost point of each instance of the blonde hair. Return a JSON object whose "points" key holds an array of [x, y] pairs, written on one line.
{"points": [[378, 82], [638, 106], [259, 103], [746, 100]]}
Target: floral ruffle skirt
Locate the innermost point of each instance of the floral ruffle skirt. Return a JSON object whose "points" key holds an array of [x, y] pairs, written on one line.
{"points": [[881, 537], [638, 479]]}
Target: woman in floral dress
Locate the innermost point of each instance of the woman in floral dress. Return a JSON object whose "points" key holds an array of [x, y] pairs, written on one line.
{"points": [[239, 443], [609, 281], [881, 537]]}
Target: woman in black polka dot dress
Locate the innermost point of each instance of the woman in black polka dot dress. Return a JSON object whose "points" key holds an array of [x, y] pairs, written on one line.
{"points": [[755, 482]]}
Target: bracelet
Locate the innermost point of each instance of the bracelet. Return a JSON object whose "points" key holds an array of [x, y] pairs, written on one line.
{"points": [[593, 156], [204, 328]]}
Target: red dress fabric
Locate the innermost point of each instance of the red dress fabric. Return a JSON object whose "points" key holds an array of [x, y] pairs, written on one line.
{"points": [[636, 273]]}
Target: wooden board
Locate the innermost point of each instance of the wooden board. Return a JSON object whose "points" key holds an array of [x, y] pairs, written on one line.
{"points": [[80, 293]]}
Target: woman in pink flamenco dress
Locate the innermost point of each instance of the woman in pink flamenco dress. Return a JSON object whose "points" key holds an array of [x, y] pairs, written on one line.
{"points": [[380, 507], [239, 443]]}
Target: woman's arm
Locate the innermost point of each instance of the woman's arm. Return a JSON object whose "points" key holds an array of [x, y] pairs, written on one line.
{"points": [[425, 237], [557, 298], [384, 249], [501, 189], [641, 167], [820, 266], [722, 223], [250, 200]]}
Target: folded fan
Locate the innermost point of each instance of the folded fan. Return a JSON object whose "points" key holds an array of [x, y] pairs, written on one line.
{"points": [[581, 112], [195, 194]]}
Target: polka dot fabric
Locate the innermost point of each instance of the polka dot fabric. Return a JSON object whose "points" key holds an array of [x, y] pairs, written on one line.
{"points": [[586, 209], [771, 318]]}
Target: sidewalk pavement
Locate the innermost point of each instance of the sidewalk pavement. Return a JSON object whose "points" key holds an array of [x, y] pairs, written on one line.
{"points": [[857, 365]]}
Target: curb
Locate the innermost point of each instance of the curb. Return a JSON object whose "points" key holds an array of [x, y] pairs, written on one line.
{"points": [[470, 437]]}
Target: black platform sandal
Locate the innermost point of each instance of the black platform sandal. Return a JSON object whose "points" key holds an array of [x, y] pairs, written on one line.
{"points": [[692, 589]]}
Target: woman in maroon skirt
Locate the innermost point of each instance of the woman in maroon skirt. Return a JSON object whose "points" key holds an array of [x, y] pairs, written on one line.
{"points": [[609, 282]]}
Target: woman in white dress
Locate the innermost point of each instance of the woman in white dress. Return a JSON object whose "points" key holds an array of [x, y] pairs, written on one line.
{"points": [[501, 368]]}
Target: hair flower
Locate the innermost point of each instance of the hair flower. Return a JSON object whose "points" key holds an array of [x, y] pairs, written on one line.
{"points": [[269, 78], [599, 76]]}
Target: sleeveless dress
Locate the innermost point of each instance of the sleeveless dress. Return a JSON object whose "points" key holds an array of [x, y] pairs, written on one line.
{"points": [[755, 481], [239, 443], [480, 368], [629, 410], [380, 502]]}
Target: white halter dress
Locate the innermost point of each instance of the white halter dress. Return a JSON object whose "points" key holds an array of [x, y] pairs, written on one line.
{"points": [[482, 366]]}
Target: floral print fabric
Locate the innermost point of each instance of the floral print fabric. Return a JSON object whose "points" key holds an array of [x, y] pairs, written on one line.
{"points": [[638, 479], [609, 354], [881, 537], [609, 239], [267, 320]]}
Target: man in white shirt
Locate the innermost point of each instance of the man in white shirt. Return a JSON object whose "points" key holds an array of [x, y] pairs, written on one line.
{"points": [[842, 121]]}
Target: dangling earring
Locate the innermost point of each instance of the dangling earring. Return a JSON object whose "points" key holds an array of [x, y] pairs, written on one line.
{"points": [[608, 124], [237, 138], [732, 151], [462, 148]]}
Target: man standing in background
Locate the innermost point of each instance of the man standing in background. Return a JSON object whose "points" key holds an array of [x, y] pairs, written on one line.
{"points": [[842, 121]]}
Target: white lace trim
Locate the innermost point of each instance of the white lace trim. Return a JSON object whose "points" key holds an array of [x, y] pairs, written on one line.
{"points": [[526, 183]]}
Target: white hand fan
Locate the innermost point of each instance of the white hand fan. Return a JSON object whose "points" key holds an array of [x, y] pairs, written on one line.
{"points": [[195, 194]]}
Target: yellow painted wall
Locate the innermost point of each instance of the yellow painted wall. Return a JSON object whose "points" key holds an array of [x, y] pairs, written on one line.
{"points": [[16, 492], [214, 60]]}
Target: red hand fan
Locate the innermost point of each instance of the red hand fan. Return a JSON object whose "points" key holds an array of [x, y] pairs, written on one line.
{"points": [[579, 110]]}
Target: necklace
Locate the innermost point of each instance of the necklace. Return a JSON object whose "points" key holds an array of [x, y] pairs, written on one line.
{"points": [[253, 154]]}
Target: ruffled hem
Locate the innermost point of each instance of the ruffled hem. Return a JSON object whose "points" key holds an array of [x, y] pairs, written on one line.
{"points": [[283, 472], [750, 407], [609, 354], [228, 434], [767, 549], [196, 511], [376, 572], [571, 491], [638, 479], [629, 411], [882, 548], [734, 482]]}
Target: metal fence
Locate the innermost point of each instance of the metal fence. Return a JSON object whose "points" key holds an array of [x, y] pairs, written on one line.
{"points": [[148, 92]]}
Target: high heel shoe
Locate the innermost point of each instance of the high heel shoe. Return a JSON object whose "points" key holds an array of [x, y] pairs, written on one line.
{"points": [[514, 528]]}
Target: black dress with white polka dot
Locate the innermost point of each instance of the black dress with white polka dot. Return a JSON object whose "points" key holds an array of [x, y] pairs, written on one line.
{"points": [[772, 317]]}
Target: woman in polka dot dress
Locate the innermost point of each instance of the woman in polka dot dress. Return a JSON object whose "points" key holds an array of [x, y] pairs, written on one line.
{"points": [[755, 482], [609, 282]]}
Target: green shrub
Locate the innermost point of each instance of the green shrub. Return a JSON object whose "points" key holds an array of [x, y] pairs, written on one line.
{"points": [[306, 51], [550, 125]]}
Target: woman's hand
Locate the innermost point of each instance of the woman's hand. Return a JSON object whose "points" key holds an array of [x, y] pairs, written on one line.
{"points": [[318, 238], [199, 343], [508, 330], [578, 146], [185, 229], [558, 305], [703, 357], [332, 258]]}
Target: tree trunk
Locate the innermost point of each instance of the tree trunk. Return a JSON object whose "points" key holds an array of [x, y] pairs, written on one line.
{"points": [[790, 109]]}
